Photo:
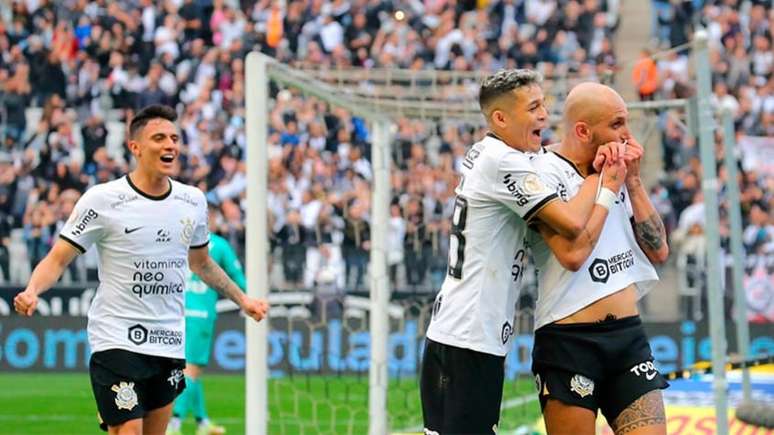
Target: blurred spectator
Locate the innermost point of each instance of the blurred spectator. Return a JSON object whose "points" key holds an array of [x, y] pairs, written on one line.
{"points": [[292, 239], [645, 76], [16, 94], [416, 244], [758, 236], [395, 235], [356, 244]]}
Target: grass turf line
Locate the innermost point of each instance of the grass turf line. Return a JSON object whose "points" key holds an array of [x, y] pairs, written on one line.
{"points": [[43, 403]]}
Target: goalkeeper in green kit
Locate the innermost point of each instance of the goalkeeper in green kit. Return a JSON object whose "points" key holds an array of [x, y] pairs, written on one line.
{"points": [[200, 316]]}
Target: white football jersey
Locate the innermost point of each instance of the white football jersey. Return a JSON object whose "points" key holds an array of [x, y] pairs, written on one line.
{"points": [[498, 194], [142, 242], [615, 262]]}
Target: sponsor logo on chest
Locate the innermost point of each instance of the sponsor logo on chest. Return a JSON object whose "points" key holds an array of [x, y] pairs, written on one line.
{"points": [[601, 268]]}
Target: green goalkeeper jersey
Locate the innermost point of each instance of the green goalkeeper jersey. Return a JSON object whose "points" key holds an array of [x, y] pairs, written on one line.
{"points": [[199, 298]]}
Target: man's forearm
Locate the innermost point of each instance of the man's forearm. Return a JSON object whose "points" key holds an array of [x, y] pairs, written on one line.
{"points": [[45, 275], [216, 278], [648, 226], [583, 201], [572, 253]]}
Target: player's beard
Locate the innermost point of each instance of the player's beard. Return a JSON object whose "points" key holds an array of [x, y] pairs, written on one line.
{"points": [[596, 142]]}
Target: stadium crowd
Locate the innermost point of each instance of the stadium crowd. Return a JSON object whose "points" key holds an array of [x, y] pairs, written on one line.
{"points": [[72, 72], [741, 58]]}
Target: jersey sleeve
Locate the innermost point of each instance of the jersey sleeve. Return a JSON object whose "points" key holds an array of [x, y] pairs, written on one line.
{"points": [[86, 224], [549, 172], [230, 263], [201, 235], [519, 187]]}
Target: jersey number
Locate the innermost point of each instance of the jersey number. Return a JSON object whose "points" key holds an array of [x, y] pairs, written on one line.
{"points": [[457, 240]]}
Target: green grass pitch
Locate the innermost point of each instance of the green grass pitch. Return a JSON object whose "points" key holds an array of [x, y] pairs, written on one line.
{"points": [[48, 403]]}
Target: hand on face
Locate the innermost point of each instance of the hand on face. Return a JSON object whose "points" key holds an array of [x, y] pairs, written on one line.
{"points": [[613, 174], [632, 157], [610, 152]]}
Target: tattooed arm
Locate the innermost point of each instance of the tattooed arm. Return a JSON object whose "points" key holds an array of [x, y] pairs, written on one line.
{"points": [[212, 274], [648, 227]]}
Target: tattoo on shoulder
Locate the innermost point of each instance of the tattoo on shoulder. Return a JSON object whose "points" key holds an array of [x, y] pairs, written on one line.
{"points": [[646, 411], [651, 232]]}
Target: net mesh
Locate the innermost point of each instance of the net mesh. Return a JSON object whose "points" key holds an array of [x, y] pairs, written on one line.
{"points": [[319, 346]]}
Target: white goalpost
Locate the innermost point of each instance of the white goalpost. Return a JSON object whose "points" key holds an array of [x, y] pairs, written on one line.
{"points": [[259, 70], [380, 97]]}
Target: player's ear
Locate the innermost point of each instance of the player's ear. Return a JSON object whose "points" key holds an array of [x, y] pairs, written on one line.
{"points": [[582, 131], [134, 148], [498, 118]]}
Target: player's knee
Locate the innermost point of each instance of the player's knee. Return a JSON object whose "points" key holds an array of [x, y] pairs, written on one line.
{"points": [[131, 427], [193, 371], [564, 419]]}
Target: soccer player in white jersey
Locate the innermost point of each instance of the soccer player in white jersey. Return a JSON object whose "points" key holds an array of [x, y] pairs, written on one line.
{"points": [[147, 229], [499, 193], [590, 351]]}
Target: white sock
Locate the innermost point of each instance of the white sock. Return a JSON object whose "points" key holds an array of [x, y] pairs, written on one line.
{"points": [[174, 423]]}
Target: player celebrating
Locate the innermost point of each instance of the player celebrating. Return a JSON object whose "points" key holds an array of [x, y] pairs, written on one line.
{"points": [[200, 317], [499, 193], [590, 349], [147, 229]]}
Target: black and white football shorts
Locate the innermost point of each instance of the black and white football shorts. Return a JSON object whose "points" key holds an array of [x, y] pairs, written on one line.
{"points": [[599, 366], [127, 385]]}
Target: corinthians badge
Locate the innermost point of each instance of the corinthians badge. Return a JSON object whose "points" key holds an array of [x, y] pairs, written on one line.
{"points": [[126, 398], [188, 229], [582, 385]]}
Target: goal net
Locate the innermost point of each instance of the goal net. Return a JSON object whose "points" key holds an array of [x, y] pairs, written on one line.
{"points": [[359, 178]]}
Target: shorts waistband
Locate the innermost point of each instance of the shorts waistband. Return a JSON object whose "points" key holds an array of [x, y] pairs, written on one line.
{"points": [[603, 326]]}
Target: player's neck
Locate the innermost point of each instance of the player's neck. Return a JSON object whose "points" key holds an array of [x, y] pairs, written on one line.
{"points": [[150, 184], [577, 155]]}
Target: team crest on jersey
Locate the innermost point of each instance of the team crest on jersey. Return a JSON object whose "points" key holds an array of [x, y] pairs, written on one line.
{"points": [[126, 397], [582, 385], [188, 228]]}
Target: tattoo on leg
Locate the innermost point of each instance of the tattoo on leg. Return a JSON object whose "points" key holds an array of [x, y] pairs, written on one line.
{"points": [[648, 410], [651, 232]]}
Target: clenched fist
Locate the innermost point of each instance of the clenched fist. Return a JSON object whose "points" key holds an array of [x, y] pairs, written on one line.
{"points": [[25, 302], [255, 308]]}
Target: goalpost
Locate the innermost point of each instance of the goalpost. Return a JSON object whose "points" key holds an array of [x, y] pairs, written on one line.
{"points": [[380, 97]]}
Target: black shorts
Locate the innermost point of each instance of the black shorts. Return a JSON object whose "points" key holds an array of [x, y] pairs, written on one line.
{"points": [[127, 385], [461, 389], [605, 366]]}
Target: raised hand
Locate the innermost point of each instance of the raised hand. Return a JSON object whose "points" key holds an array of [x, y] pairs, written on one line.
{"points": [[609, 152], [614, 174], [632, 157]]}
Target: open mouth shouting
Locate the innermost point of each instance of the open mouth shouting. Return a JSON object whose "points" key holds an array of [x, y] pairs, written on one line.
{"points": [[536, 134], [168, 158]]}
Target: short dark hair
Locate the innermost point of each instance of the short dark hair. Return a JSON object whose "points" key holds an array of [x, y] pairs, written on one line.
{"points": [[504, 81], [147, 113]]}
